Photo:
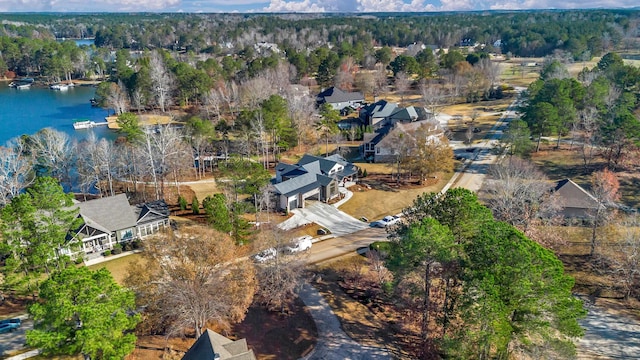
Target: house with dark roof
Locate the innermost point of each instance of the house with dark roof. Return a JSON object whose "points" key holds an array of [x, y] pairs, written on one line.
{"points": [[112, 220], [376, 114], [410, 114], [339, 99], [575, 200], [382, 146], [213, 346], [312, 177]]}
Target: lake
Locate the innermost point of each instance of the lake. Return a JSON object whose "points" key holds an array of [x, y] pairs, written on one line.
{"points": [[24, 112]]}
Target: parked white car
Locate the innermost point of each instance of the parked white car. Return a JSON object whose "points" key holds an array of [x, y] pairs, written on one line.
{"points": [[386, 221], [302, 243], [390, 220], [265, 255]]}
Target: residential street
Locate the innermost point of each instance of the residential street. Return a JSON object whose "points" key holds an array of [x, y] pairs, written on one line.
{"points": [[332, 248], [609, 336], [13, 341], [475, 170]]}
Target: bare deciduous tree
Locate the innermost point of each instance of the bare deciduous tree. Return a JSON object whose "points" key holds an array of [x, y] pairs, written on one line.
{"points": [[212, 99], [190, 278], [604, 188], [433, 96], [280, 277], [163, 149], [490, 70], [625, 260], [96, 164], [588, 122], [117, 98], [365, 81], [376, 265], [380, 80], [402, 83], [520, 193], [301, 111], [256, 90], [161, 80], [53, 152], [16, 172]]}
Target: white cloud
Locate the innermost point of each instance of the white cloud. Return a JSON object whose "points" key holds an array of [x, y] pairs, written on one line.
{"points": [[300, 5], [293, 6]]}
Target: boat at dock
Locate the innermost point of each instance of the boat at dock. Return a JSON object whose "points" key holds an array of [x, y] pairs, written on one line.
{"points": [[61, 86], [21, 83], [87, 124]]}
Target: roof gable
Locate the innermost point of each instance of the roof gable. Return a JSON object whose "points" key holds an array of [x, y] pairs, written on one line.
{"points": [[575, 196], [380, 109], [108, 214], [335, 95], [151, 211], [210, 344]]}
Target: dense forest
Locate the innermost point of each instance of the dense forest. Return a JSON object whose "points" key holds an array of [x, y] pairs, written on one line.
{"points": [[25, 39]]}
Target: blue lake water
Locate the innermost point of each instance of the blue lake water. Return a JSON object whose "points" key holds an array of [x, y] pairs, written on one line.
{"points": [[24, 112]]}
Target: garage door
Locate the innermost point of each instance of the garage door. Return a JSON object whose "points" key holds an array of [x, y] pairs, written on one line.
{"points": [[293, 204]]}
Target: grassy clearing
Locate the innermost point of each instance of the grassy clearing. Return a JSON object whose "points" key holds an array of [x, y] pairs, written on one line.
{"points": [[514, 74], [488, 112], [564, 163], [203, 189], [376, 203], [119, 267]]}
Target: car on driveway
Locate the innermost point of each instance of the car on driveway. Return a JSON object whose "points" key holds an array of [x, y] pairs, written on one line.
{"points": [[379, 224], [300, 244], [386, 221], [390, 220], [265, 255]]}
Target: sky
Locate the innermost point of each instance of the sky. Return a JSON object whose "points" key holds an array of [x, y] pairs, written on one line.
{"points": [[247, 6]]}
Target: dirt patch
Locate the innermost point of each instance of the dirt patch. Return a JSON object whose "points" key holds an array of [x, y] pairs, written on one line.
{"points": [[270, 335], [366, 314], [13, 305], [278, 336]]}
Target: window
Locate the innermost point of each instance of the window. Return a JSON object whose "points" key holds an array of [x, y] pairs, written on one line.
{"points": [[126, 234], [377, 150]]}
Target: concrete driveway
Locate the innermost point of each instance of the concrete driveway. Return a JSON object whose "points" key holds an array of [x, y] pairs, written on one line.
{"points": [[338, 222]]}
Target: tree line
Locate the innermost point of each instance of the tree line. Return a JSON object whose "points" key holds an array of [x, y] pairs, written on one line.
{"points": [[596, 110]]}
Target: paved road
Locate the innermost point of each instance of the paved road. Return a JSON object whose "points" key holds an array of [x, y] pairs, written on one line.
{"points": [[332, 248], [473, 174], [609, 336], [333, 342], [13, 341]]}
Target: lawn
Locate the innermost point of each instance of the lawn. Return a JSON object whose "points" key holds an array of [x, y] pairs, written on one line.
{"points": [[383, 199], [118, 267]]}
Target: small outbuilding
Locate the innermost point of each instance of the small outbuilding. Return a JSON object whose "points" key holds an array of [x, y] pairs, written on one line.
{"points": [[576, 201]]}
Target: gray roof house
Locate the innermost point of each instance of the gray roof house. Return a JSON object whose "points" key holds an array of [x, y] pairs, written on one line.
{"points": [[377, 114], [576, 201], [312, 177], [410, 114], [381, 145], [213, 346], [339, 99], [111, 220]]}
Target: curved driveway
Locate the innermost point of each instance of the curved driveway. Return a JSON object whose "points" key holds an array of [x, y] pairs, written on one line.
{"points": [[325, 215]]}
